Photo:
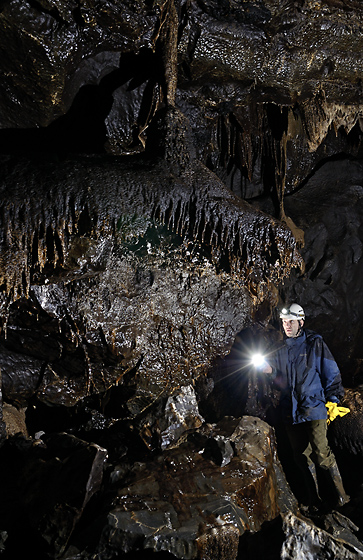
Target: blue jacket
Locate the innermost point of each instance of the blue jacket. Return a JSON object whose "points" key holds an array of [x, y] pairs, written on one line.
{"points": [[307, 375]]}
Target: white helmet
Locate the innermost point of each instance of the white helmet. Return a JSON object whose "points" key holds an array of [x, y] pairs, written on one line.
{"points": [[295, 311]]}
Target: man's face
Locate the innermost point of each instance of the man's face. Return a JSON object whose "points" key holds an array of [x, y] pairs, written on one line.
{"points": [[291, 327]]}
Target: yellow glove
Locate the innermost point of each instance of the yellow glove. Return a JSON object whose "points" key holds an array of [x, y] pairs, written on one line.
{"points": [[334, 410]]}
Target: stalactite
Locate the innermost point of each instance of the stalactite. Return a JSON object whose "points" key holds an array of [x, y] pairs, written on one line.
{"points": [[319, 115], [256, 248], [241, 146], [279, 152]]}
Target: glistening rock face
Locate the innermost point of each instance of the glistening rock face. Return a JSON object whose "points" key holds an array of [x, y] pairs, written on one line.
{"points": [[189, 504], [141, 276], [303, 537], [61, 46]]}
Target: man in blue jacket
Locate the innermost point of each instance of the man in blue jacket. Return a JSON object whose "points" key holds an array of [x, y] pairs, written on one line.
{"points": [[305, 372]]}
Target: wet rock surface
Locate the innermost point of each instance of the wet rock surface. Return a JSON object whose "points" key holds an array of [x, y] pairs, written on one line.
{"points": [[139, 285], [69, 45], [303, 537], [50, 483], [80, 500], [347, 432], [186, 503], [332, 255], [183, 501]]}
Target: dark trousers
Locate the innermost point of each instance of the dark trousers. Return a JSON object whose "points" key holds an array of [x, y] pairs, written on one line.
{"points": [[309, 443]]}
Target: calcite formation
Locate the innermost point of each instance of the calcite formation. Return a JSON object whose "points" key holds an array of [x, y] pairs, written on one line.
{"points": [[86, 247], [45, 206]]}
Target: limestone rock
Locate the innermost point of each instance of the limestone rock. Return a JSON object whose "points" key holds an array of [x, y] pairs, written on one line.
{"points": [[51, 482], [133, 279], [185, 503], [14, 420], [332, 253], [305, 540], [347, 431], [2, 423], [181, 414], [61, 46]]}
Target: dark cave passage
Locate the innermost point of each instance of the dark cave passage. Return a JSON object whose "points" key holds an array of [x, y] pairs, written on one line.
{"points": [[82, 130]]}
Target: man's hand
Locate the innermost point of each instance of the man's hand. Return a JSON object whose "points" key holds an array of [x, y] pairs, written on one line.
{"points": [[334, 411], [259, 362], [266, 369]]}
